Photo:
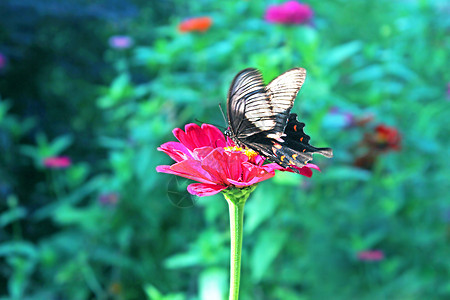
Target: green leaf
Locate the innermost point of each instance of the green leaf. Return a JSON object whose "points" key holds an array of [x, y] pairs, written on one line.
{"points": [[213, 284], [348, 173], [183, 260], [12, 215], [18, 281], [341, 53], [153, 294], [119, 86], [267, 248], [60, 144], [369, 73], [18, 248], [260, 207]]}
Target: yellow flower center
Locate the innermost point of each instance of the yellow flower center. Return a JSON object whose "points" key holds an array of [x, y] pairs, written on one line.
{"points": [[249, 152]]}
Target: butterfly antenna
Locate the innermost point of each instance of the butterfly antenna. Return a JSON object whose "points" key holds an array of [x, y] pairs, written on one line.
{"points": [[223, 115]]}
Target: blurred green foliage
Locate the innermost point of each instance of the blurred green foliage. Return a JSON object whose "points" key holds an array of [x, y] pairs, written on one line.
{"points": [[106, 227]]}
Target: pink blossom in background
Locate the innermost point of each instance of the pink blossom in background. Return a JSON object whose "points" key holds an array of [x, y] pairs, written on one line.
{"points": [[291, 12], [57, 162], [204, 154], [371, 255], [448, 91], [339, 118], [2, 61], [120, 42], [108, 199]]}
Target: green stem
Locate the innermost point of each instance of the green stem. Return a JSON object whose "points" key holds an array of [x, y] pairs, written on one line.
{"points": [[236, 200], [236, 225]]}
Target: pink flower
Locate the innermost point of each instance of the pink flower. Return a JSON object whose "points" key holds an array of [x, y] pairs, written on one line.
{"points": [[57, 162], [291, 12], [371, 255], [305, 170], [109, 199], [337, 118], [121, 42], [448, 91], [205, 155], [2, 61]]}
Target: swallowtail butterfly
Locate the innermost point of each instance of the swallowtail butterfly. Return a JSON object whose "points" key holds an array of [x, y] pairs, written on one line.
{"points": [[259, 118]]}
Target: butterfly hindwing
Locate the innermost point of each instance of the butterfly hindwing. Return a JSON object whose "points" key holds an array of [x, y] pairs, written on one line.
{"points": [[296, 138], [295, 150]]}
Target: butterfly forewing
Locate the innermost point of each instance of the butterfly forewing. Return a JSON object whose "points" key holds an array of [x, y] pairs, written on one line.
{"points": [[247, 106]]}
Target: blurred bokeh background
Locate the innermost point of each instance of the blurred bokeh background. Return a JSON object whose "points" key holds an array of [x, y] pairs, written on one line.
{"points": [[90, 89]]}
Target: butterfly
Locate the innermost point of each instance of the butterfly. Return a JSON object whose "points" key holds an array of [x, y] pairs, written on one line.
{"points": [[259, 118]]}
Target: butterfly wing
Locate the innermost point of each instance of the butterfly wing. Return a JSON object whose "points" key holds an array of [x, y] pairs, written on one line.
{"points": [[248, 108], [281, 93], [295, 150], [259, 117]]}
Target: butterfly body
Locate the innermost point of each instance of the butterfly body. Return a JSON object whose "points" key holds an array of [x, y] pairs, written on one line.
{"points": [[259, 118]]}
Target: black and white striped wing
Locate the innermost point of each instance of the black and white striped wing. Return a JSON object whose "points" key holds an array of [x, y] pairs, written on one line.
{"points": [[281, 93], [248, 107]]}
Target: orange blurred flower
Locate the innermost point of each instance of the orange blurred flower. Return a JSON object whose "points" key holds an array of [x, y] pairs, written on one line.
{"points": [[387, 137], [201, 24], [383, 139]]}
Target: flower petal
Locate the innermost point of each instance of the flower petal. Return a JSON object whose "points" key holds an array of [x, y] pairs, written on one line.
{"points": [[192, 169], [313, 166], [234, 162], [305, 170], [215, 164], [251, 174], [216, 137], [182, 137], [164, 169], [177, 151], [196, 135], [201, 153], [230, 142], [202, 189]]}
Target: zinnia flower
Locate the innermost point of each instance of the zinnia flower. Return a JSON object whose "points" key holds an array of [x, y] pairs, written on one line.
{"points": [[121, 42], [204, 154], [2, 61], [201, 24], [57, 162], [337, 118], [380, 141], [448, 91], [371, 255], [387, 137], [108, 199], [291, 12]]}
